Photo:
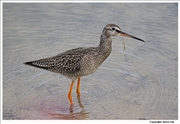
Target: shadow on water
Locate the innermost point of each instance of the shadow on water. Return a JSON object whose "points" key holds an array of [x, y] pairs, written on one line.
{"points": [[74, 112], [52, 108]]}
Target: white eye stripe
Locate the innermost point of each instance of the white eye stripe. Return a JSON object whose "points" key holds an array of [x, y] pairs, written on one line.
{"points": [[118, 29]]}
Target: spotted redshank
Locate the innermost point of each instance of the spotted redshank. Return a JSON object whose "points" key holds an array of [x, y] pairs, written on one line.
{"points": [[81, 61]]}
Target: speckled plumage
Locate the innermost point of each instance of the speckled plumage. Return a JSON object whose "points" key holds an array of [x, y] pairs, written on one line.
{"points": [[79, 62]]}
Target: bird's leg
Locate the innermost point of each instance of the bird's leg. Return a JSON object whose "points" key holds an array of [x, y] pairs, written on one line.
{"points": [[70, 93], [78, 87]]}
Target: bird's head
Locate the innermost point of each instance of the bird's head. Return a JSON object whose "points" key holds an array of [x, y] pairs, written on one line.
{"points": [[114, 30]]}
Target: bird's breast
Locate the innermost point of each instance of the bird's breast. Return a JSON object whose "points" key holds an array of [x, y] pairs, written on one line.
{"points": [[91, 63]]}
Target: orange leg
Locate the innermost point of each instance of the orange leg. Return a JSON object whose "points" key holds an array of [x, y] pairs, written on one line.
{"points": [[70, 93], [78, 87]]}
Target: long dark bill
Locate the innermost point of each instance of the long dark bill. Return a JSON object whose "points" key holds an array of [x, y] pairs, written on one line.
{"points": [[128, 35]]}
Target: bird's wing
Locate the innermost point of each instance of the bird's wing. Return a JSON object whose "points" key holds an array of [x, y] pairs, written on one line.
{"points": [[66, 62]]}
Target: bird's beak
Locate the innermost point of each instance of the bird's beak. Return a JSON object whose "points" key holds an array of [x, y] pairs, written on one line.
{"points": [[128, 35]]}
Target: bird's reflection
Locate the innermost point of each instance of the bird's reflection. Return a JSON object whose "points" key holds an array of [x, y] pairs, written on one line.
{"points": [[80, 105], [79, 102], [73, 112]]}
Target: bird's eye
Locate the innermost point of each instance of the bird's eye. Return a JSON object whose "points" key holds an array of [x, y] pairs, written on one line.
{"points": [[113, 29]]}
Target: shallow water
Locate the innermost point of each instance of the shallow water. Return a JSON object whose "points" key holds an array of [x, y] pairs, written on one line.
{"points": [[140, 82]]}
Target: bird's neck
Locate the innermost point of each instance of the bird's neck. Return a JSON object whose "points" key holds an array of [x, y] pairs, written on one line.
{"points": [[105, 44]]}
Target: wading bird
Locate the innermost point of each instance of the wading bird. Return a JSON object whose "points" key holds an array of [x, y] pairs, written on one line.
{"points": [[81, 61]]}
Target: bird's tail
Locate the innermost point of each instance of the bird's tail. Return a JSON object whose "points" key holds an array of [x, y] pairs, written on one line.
{"points": [[42, 63]]}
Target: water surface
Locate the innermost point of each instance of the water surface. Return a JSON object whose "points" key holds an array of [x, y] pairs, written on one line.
{"points": [[140, 82]]}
